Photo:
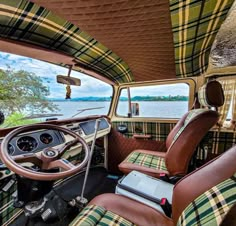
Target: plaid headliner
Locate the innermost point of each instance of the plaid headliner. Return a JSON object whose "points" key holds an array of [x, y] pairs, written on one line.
{"points": [[25, 21], [194, 25]]}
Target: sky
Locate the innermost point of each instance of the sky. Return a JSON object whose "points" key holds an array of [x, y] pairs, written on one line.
{"points": [[89, 85]]}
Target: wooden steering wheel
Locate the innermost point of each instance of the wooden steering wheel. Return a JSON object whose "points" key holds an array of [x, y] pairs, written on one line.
{"points": [[48, 158]]}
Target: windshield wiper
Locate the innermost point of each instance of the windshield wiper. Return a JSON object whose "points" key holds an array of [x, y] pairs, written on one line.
{"points": [[85, 109]]}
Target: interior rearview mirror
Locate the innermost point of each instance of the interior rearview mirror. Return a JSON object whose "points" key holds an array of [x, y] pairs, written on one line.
{"points": [[135, 109], [67, 80]]}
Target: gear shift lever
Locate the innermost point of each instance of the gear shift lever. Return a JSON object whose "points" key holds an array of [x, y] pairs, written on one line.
{"points": [[81, 201]]}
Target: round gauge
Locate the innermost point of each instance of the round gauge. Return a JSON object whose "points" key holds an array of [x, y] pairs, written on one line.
{"points": [[11, 149], [27, 143], [46, 138]]}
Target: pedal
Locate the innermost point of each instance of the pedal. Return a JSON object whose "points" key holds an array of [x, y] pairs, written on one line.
{"points": [[79, 202]]}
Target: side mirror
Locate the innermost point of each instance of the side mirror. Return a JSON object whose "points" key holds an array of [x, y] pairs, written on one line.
{"points": [[71, 81], [135, 109]]}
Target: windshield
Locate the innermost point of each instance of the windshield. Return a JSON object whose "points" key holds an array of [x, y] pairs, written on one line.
{"points": [[29, 92]]}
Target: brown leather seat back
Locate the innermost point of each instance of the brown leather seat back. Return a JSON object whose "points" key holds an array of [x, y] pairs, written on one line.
{"points": [[181, 149], [201, 180], [191, 128]]}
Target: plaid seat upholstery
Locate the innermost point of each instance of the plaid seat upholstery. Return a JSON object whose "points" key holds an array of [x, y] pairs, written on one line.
{"points": [[211, 207], [146, 160], [97, 215]]}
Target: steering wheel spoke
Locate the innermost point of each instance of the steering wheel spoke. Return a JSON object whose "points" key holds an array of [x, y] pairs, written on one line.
{"points": [[62, 164], [67, 146], [30, 157]]}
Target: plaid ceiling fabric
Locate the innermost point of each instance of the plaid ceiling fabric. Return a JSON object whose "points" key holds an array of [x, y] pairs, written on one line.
{"points": [[27, 22], [195, 24], [97, 215], [211, 207]]}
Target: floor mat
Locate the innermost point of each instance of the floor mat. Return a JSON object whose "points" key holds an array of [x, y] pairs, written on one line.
{"points": [[99, 182]]}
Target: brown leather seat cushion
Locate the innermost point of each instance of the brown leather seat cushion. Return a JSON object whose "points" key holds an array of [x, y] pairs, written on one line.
{"points": [[131, 210]]}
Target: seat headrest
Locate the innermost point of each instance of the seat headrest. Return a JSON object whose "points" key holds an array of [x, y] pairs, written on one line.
{"points": [[211, 94]]}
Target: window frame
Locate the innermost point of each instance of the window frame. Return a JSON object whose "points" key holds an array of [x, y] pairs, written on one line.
{"points": [[192, 88]]}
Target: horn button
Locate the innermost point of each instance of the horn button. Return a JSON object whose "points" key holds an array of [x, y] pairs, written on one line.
{"points": [[49, 153]]}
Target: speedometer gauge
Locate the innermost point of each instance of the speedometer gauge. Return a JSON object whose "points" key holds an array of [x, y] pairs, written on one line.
{"points": [[27, 143], [46, 138]]}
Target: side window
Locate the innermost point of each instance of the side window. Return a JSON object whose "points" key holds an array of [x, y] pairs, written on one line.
{"points": [[159, 101]]}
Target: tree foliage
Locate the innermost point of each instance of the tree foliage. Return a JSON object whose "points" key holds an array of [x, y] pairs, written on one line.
{"points": [[16, 119], [23, 92]]}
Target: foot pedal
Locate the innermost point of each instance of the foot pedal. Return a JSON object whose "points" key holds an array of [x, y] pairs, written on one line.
{"points": [[79, 202]]}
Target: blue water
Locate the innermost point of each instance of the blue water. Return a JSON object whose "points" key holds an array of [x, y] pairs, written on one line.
{"points": [[160, 109]]}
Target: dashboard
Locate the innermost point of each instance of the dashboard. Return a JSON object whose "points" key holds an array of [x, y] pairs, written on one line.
{"points": [[36, 141]]}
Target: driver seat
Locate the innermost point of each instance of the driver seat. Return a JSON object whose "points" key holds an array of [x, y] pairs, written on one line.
{"points": [[183, 140], [205, 197]]}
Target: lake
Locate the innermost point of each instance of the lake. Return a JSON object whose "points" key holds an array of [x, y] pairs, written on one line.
{"points": [[162, 109]]}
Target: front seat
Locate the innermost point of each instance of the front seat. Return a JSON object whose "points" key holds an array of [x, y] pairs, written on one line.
{"points": [[182, 141], [205, 197]]}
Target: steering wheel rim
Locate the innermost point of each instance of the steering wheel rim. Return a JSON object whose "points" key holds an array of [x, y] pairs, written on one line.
{"points": [[48, 162]]}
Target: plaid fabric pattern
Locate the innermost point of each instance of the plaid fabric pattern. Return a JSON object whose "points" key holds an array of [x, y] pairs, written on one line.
{"points": [[97, 215], [158, 131], [190, 117], [25, 21], [194, 25], [146, 160], [202, 96], [7, 211], [217, 142], [211, 207]]}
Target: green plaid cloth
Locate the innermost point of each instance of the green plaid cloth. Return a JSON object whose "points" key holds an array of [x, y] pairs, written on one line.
{"points": [[195, 24], [25, 21], [7, 211], [211, 207], [218, 142], [97, 215], [146, 160], [190, 117]]}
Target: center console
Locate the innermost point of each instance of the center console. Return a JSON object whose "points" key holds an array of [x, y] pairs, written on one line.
{"points": [[145, 189]]}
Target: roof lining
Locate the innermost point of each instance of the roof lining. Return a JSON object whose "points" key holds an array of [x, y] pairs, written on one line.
{"points": [[50, 56], [36, 25]]}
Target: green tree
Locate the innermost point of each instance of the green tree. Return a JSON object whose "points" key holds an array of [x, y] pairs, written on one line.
{"points": [[16, 119], [23, 92]]}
